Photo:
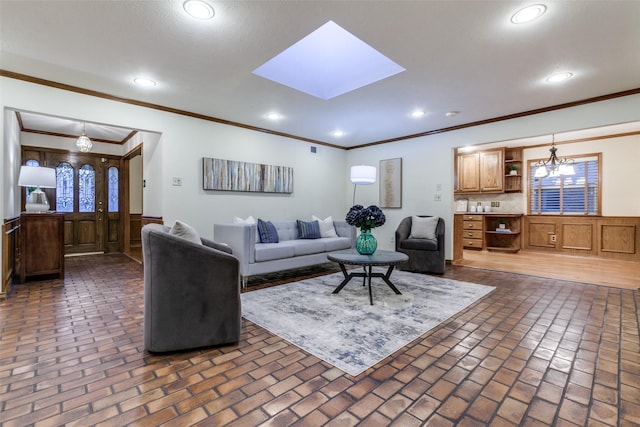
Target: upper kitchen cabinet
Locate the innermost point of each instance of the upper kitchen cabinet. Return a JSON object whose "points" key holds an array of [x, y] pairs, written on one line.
{"points": [[480, 171]]}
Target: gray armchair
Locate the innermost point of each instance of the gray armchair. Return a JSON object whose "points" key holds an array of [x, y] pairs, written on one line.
{"points": [[191, 292], [425, 255]]}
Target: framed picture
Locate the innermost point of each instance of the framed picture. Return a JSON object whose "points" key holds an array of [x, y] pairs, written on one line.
{"points": [[391, 183], [231, 175]]}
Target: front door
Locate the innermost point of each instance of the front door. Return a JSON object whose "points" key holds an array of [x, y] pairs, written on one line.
{"points": [[81, 194]]}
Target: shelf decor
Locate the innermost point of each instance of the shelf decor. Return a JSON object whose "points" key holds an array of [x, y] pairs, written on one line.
{"points": [[231, 175]]}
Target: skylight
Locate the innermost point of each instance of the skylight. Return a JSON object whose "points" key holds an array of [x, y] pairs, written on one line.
{"points": [[328, 62]]}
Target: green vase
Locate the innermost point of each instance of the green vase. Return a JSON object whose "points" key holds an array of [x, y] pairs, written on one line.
{"points": [[366, 243]]}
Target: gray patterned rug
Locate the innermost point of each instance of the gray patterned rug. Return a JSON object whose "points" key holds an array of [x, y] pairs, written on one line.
{"points": [[343, 329]]}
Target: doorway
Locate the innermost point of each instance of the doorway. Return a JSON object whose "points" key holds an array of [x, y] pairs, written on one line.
{"points": [[88, 193]]}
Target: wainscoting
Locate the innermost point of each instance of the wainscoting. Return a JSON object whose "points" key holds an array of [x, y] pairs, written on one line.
{"points": [[9, 253]]}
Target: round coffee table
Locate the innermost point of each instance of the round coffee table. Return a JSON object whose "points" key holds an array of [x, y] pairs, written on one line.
{"points": [[378, 258]]}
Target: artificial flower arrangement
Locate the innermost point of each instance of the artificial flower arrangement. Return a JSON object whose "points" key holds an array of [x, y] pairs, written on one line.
{"points": [[365, 218]]}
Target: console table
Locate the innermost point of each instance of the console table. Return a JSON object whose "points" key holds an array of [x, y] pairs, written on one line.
{"points": [[41, 245]]}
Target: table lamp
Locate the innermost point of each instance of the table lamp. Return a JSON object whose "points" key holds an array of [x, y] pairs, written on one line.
{"points": [[38, 177]]}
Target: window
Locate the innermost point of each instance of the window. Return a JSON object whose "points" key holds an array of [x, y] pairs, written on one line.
{"points": [[64, 188], [113, 189], [87, 187], [577, 194]]}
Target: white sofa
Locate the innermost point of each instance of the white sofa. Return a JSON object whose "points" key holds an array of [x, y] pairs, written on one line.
{"points": [[290, 252]]}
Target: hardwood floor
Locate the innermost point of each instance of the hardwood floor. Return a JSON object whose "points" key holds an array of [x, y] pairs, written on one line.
{"points": [[597, 271], [534, 352]]}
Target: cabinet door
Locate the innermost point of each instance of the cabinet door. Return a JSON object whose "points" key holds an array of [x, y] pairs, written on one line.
{"points": [[492, 170], [468, 172]]}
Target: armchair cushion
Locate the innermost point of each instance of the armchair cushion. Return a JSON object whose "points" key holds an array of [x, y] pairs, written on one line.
{"points": [[423, 227], [185, 231], [420, 244]]}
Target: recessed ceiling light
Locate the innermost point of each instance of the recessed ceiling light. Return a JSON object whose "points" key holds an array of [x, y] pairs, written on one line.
{"points": [[144, 82], [417, 113], [528, 14], [337, 133], [273, 116], [559, 77], [198, 9], [452, 113]]}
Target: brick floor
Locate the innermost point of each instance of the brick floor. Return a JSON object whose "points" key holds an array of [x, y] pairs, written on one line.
{"points": [[534, 352]]}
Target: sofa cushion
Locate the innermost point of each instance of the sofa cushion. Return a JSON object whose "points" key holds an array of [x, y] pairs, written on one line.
{"points": [[423, 228], [267, 232], [336, 243], [420, 244], [185, 231], [306, 247], [327, 229], [308, 229], [271, 251]]}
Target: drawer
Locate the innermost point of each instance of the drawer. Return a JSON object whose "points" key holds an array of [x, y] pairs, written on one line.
{"points": [[472, 225], [473, 234], [472, 243], [472, 217]]}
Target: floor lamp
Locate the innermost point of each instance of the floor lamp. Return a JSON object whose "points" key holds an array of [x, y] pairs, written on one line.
{"points": [[362, 175]]}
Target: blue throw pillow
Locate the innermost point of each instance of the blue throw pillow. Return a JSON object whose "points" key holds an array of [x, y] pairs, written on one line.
{"points": [[308, 230], [267, 232]]}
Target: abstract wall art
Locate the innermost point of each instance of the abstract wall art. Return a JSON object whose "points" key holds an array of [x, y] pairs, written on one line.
{"points": [[391, 183], [231, 175]]}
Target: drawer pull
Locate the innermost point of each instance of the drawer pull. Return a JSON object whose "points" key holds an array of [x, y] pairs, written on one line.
{"points": [[470, 234]]}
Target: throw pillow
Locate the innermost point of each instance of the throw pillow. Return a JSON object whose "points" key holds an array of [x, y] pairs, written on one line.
{"points": [[249, 220], [267, 232], [185, 231], [326, 226], [423, 228], [308, 229]]}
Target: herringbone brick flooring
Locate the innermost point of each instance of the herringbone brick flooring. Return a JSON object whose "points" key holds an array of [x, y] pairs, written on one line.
{"points": [[534, 352]]}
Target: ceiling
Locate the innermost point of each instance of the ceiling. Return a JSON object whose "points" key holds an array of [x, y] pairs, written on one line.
{"points": [[463, 56]]}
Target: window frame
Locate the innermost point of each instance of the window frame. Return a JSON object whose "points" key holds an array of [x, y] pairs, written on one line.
{"points": [[531, 180]]}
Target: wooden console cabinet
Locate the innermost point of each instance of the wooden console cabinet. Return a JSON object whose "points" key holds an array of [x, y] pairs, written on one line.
{"points": [[41, 245]]}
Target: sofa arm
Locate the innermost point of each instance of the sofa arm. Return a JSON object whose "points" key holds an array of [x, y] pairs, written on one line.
{"points": [[241, 238]]}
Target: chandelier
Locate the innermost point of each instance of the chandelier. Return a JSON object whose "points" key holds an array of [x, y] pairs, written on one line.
{"points": [[554, 166], [84, 143]]}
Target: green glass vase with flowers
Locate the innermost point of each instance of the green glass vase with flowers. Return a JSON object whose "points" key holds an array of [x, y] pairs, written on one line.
{"points": [[365, 219]]}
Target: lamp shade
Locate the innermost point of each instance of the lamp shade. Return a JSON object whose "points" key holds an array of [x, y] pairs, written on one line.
{"points": [[363, 175], [37, 176]]}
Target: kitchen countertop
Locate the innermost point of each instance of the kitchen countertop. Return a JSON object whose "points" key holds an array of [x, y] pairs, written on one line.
{"points": [[488, 213]]}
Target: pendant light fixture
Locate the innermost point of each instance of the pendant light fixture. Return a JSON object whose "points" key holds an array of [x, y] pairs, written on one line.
{"points": [[554, 166], [83, 142]]}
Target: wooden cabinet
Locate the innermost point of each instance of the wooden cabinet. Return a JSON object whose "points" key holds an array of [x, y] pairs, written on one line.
{"points": [[513, 170], [473, 231], [41, 245], [506, 239], [480, 172]]}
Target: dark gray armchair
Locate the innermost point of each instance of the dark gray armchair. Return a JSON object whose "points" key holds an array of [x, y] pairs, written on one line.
{"points": [[425, 255], [191, 292]]}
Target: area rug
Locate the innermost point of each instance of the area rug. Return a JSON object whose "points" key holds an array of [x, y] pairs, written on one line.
{"points": [[344, 329]]}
